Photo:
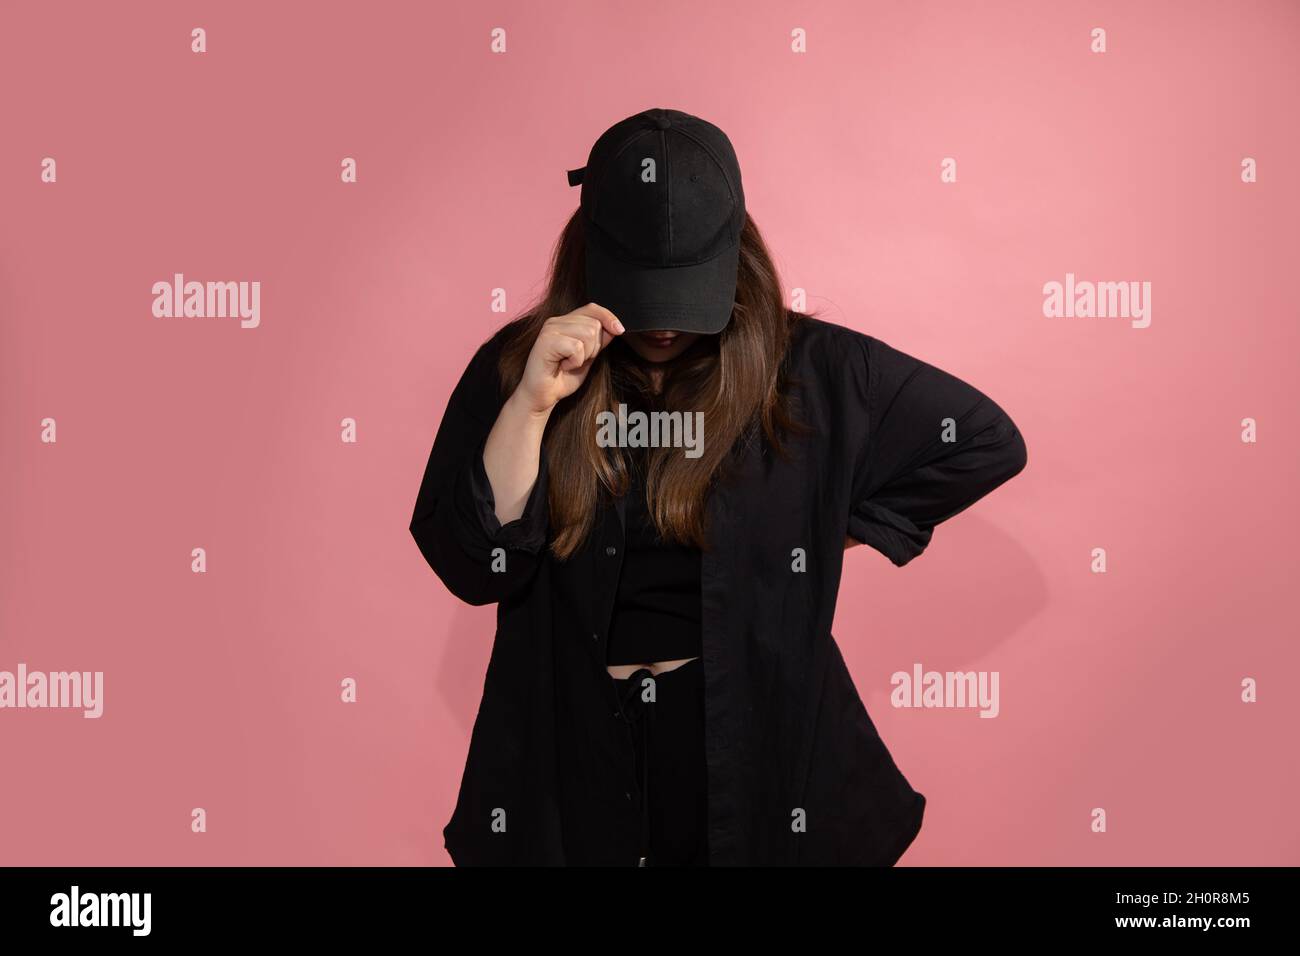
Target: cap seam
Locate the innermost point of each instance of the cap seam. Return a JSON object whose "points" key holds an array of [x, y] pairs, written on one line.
{"points": [[668, 192], [722, 167], [608, 164]]}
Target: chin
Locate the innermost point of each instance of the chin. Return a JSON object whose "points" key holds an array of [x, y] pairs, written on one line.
{"points": [[658, 358], [649, 352]]}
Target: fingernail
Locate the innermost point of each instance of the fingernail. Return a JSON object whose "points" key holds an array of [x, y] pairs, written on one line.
{"points": [[620, 326]]}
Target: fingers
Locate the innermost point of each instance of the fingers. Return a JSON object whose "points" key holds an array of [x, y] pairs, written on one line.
{"points": [[587, 331], [573, 340], [607, 319], [592, 324], [570, 345], [567, 351]]}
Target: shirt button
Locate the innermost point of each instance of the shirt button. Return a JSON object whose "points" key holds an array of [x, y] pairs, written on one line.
{"points": [[611, 551]]}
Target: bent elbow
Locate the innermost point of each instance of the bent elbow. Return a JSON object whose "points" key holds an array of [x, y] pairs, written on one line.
{"points": [[1015, 454], [469, 581]]}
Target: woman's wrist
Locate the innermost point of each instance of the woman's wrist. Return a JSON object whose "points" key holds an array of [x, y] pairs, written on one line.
{"points": [[524, 412], [512, 454]]}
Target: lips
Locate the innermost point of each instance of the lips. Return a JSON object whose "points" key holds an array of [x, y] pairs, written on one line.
{"points": [[660, 339]]}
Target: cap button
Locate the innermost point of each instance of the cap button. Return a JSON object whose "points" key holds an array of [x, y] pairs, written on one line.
{"points": [[663, 122]]}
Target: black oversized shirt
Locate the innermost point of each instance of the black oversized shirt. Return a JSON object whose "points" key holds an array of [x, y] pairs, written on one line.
{"points": [[797, 774]]}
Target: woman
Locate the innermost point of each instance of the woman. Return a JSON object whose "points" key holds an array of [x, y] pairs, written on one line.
{"points": [[663, 688]]}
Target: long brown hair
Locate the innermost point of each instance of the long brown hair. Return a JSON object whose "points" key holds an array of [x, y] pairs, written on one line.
{"points": [[736, 378]]}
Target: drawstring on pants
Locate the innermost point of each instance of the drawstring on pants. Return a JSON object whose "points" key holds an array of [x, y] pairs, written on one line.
{"points": [[637, 711]]}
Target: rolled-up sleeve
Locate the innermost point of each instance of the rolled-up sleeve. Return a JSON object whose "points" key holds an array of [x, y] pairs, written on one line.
{"points": [[934, 445], [454, 524]]}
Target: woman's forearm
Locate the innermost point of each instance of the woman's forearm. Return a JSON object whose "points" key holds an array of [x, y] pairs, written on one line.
{"points": [[512, 455]]}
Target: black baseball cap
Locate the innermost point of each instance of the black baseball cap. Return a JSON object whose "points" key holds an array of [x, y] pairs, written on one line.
{"points": [[663, 209]]}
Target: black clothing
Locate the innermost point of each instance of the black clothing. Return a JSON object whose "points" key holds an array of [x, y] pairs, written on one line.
{"points": [[656, 615], [797, 773], [666, 781]]}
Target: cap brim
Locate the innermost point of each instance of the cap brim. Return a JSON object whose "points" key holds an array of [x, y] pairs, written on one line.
{"points": [[696, 298]]}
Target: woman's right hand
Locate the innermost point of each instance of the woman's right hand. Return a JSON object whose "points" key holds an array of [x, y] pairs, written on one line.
{"points": [[562, 356]]}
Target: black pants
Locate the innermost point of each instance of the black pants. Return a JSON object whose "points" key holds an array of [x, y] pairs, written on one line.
{"points": [[667, 721]]}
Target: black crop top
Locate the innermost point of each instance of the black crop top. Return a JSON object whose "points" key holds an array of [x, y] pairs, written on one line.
{"points": [[657, 609]]}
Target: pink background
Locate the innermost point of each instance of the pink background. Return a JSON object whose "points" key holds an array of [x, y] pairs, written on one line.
{"points": [[1119, 690]]}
